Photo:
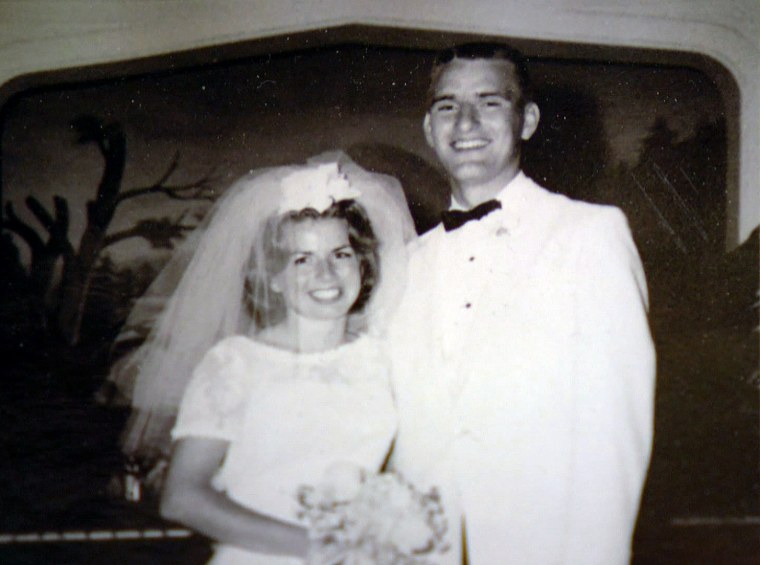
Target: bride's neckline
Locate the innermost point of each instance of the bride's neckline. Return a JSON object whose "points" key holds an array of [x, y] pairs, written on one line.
{"points": [[351, 340]]}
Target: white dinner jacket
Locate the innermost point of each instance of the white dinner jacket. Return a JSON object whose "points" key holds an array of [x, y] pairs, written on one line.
{"points": [[524, 375]]}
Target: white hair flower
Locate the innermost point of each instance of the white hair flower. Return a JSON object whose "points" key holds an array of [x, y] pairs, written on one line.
{"points": [[317, 187]]}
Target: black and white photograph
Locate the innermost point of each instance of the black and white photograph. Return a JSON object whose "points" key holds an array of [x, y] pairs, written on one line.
{"points": [[428, 283]]}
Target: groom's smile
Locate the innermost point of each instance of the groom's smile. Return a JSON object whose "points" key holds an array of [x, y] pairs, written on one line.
{"points": [[469, 144]]}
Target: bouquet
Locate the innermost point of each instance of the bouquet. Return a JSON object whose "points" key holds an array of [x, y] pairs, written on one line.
{"points": [[356, 517]]}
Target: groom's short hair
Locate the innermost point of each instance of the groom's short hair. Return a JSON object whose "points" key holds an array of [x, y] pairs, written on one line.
{"points": [[488, 51]]}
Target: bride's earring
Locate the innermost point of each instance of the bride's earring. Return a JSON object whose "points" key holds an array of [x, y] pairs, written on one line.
{"points": [[274, 284]]}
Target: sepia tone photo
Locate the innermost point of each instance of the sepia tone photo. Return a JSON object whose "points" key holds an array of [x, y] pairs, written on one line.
{"points": [[139, 200]]}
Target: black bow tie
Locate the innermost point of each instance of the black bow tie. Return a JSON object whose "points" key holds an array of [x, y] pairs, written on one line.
{"points": [[453, 219]]}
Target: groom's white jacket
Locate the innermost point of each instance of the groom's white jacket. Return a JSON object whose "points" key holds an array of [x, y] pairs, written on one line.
{"points": [[524, 375]]}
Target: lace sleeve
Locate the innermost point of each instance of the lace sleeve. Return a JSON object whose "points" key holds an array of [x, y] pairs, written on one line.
{"points": [[214, 403]]}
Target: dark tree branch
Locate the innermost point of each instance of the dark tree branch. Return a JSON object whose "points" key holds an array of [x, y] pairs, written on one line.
{"points": [[89, 128], [22, 229], [159, 233], [109, 240], [199, 189], [112, 144], [61, 213], [173, 164], [59, 231], [39, 211], [57, 227]]}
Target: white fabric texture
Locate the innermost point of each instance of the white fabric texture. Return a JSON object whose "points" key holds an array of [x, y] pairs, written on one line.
{"points": [[288, 417], [524, 375], [203, 290]]}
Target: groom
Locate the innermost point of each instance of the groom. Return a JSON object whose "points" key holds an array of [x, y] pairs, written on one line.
{"points": [[524, 367]]}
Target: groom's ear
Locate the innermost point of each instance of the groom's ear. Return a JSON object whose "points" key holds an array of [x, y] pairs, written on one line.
{"points": [[428, 130], [531, 116]]}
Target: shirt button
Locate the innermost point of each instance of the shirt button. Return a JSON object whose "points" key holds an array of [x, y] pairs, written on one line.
{"points": [[463, 431]]}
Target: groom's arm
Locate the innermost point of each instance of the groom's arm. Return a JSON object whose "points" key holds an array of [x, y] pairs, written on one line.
{"points": [[615, 377]]}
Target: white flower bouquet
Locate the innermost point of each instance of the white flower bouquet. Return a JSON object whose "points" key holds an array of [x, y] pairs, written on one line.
{"points": [[360, 518]]}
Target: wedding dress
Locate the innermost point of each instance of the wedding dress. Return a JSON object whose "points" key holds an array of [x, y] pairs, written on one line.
{"points": [[288, 417]]}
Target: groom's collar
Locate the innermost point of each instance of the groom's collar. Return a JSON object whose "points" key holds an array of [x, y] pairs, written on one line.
{"points": [[506, 196]]}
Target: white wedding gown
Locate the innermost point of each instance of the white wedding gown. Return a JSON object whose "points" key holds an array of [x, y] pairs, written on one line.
{"points": [[288, 417]]}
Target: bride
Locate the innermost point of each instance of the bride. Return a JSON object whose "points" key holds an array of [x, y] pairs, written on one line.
{"points": [[282, 302]]}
